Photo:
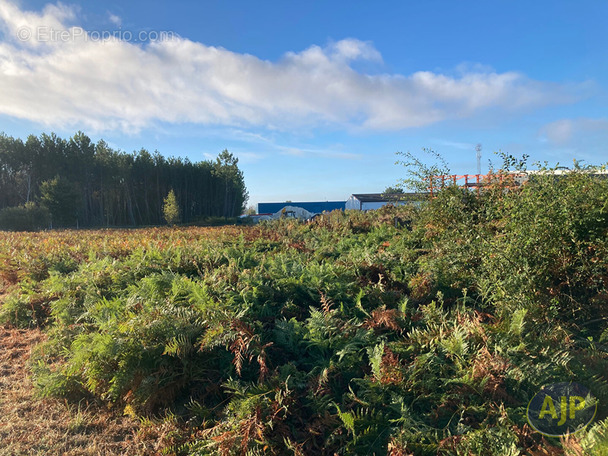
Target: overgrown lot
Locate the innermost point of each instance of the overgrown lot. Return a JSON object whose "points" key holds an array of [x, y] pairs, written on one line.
{"points": [[403, 331]]}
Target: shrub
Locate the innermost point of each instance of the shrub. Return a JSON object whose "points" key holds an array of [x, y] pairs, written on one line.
{"points": [[171, 210], [347, 335], [29, 217]]}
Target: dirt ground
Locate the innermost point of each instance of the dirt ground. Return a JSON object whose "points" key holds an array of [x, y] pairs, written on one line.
{"points": [[31, 426]]}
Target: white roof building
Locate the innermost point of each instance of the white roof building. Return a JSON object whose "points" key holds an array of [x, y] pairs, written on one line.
{"points": [[371, 201]]}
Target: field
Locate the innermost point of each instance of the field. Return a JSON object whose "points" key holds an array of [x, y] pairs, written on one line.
{"points": [[402, 331]]}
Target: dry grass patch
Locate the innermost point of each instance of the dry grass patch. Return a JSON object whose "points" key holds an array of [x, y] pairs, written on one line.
{"points": [[31, 426]]}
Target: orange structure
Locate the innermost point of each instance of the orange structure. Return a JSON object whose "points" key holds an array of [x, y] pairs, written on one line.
{"points": [[476, 181]]}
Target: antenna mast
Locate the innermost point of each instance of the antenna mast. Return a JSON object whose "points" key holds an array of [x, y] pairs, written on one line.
{"points": [[478, 150]]}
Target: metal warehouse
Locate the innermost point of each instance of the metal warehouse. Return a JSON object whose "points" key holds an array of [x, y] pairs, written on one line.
{"points": [[316, 207], [370, 201]]}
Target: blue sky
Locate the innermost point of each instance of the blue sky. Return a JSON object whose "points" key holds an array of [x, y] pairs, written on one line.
{"points": [[313, 97]]}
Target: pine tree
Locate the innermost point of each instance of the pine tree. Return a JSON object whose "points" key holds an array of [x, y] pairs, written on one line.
{"points": [[171, 209], [63, 199]]}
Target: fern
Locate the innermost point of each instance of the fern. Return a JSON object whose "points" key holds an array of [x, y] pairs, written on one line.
{"points": [[375, 359], [348, 420]]}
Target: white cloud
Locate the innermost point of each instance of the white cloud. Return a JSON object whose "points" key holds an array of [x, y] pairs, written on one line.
{"points": [[559, 132], [351, 49], [114, 19], [21, 25], [565, 132], [115, 84], [315, 152], [456, 144]]}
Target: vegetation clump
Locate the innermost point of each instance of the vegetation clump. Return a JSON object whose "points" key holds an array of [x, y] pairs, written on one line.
{"points": [[345, 335], [171, 209]]}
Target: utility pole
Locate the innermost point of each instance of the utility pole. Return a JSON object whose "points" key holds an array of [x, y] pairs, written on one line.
{"points": [[478, 150]]}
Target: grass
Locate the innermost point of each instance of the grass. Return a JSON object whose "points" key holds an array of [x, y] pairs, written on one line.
{"points": [[31, 426]]}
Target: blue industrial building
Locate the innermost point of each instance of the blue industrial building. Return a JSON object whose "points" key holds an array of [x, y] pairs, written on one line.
{"points": [[316, 207]]}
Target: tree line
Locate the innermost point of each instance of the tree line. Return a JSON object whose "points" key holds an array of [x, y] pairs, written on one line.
{"points": [[76, 182]]}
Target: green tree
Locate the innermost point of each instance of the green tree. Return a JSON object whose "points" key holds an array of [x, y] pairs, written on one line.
{"points": [[63, 200], [235, 193], [418, 172], [393, 191], [114, 187], [171, 209]]}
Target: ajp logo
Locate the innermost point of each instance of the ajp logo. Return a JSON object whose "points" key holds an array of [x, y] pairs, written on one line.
{"points": [[561, 409]]}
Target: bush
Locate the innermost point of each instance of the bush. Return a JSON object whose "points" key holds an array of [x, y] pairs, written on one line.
{"points": [[171, 210], [24, 218], [351, 334]]}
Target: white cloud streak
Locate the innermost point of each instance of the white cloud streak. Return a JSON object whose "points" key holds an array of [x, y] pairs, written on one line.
{"points": [[566, 132], [324, 153], [559, 132], [115, 84], [456, 144], [114, 19]]}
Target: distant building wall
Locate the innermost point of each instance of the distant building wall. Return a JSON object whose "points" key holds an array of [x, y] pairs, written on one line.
{"points": [[372, 201], [316, 207], [377, 205], [353, 203]]}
